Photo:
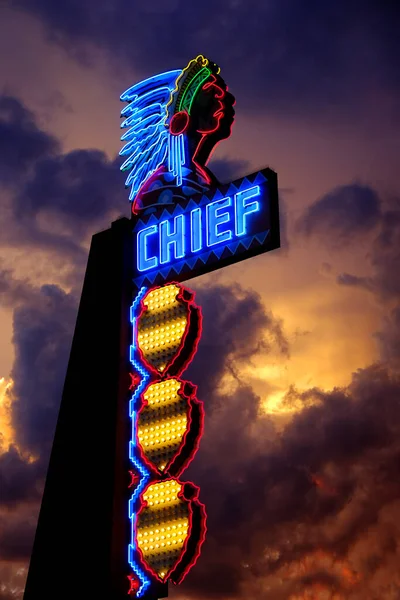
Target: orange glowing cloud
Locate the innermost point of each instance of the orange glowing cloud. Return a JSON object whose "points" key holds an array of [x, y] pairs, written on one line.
{"points": [[6, 430]]}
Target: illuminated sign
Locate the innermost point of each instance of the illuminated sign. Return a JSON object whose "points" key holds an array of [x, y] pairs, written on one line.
{"points": [[208, 231], [168, 521], [184, 224]]}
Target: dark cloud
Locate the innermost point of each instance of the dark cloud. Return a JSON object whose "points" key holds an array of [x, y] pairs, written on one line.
{"points": [[385, 254], [19, 479], [228, 169], [285, 54], [12, 578], [22, 143], [80, 187], [16, 535], [389, 339], [57, 199], [366, 283], [244, 329], [283, 223], [12, 290], [266, 512], [384, 257], [42, 337], [342, 215]]}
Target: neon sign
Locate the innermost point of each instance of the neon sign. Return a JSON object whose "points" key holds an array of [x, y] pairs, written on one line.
{"points": [[184, 224], [208, 231], [171, 134], [185, 234]]}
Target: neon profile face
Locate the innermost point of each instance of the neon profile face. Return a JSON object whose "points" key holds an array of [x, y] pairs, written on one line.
{"points": [[174, 120], [213, 108]]}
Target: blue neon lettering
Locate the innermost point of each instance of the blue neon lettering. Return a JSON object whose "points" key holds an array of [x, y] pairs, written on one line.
{"points": [[243, 209], [144, 263], [216, 219], [173, 238], [195, 230]]}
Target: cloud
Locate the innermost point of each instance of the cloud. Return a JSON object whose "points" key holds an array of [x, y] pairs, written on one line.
{"points": [[17, 532], [389, 339], [267, 515], [384, 257], [281, 55], [12, 579], [366, 283], [342, 215], [228, 169], [57, 199], [12, 291], [19, 479], [244, 329], [22, 143], [80, 188], [42, 337]]}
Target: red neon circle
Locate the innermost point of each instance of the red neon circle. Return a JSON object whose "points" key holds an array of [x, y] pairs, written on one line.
{"points": [[179, 122]]}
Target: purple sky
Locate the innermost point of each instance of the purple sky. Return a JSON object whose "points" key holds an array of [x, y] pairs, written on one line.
{"points": [[299, 465]]}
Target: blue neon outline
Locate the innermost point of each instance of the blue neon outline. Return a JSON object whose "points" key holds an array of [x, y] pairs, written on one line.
{"points": [[242, 193], [230, 234], [133, 454], [133, 92], [154, 229], [169, 243], [176, 156], [196, 211], [146, 115]]}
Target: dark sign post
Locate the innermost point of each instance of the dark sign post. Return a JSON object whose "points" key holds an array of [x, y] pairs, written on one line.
{"points": [[117, 519]]}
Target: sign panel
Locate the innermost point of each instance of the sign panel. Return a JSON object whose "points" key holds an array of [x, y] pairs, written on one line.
{"points": [[207, 231]]}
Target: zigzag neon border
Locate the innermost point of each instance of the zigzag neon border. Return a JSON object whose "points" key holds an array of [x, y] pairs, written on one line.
{"points": [[133, 453], [265, 237]]}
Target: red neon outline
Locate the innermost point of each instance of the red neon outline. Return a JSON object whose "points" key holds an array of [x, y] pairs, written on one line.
{"points": [[174, 118], [186, 345], [196, 164], [220, 110], [134, 479], [134, 584], [186, 446], [135, 380], [219, 113], [203, 530], [135, 209], [194, 500]]}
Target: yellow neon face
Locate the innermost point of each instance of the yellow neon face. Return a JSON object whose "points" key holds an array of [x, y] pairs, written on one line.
{"points": [[163, 526], [162, 326], [163, 422]]}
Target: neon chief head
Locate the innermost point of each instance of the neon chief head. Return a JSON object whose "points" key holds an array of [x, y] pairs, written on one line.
{"points": [[174, 121]]}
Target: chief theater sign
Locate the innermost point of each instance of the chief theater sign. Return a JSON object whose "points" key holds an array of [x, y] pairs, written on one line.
{"points": [[136, 522]]}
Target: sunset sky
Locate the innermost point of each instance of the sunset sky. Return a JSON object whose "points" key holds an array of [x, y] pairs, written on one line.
{"points": [[299, 362]]}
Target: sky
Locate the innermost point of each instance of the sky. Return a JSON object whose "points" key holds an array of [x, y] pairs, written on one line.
{"points": [[299, 363]]}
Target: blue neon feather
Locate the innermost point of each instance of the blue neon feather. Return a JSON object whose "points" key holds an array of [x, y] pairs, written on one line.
{"points": [[146, 134]]}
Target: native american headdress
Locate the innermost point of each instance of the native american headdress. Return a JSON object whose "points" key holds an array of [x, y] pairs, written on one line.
{"points": [[156, 117]]}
